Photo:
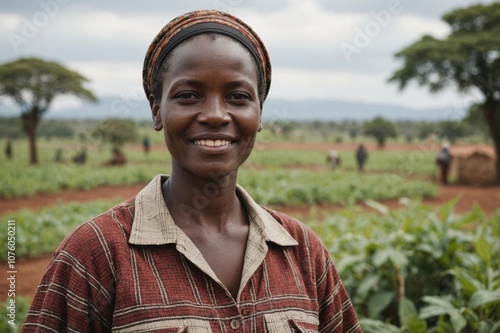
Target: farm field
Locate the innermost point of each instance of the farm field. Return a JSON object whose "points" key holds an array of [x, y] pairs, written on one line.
{"points": [[50, 199]]}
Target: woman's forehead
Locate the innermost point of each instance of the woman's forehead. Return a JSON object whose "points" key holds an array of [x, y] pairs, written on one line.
{"points": [[203, 47], [206, 56]]}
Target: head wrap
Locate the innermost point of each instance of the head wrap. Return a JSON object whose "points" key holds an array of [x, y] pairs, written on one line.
{"points": [[196, 23]]}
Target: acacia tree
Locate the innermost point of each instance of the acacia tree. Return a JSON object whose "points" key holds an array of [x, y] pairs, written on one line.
{"points": [[380, 129], [116, 131], [33, 84], [468, 58]]}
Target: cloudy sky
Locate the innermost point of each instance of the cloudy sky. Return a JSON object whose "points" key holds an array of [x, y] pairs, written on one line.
{"points": [[320, 49]]}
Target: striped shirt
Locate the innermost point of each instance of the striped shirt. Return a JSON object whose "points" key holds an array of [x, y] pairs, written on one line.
{"points": [[132, 269]]}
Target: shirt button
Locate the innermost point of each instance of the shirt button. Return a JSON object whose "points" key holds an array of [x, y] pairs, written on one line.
{"points": [[235, 324]]}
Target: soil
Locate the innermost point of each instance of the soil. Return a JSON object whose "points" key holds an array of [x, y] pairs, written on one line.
{"points": [[30, 270]]}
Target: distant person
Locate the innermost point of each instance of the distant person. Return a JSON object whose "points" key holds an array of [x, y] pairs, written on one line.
{"points": [[58, 157], [117, 159], [361, 157], [334, 159], [8, 149], [444, 160], [81, 156], [146, 143]]}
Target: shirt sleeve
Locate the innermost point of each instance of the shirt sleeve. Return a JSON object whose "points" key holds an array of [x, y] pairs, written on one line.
{"points": [[76, 293], [336, 312]]}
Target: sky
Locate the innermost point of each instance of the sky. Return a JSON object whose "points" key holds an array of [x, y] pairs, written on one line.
{"points": [[319, 49]]}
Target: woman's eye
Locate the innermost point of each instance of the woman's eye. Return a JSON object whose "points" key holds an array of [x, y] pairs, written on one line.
{"points": [[185, 95], [240, 96]]}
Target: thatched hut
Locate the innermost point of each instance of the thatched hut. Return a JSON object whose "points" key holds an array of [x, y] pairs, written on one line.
{"points": [[475, 165]]}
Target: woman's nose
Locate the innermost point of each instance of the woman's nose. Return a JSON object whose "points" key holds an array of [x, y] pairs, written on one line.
{"points": [[214, 113]]}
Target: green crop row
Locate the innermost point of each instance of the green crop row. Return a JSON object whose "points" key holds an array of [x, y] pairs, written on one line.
{"points": [[417, 270], [41, 232], [402, 163], [267, 187], [300, 187], [18, 178]]}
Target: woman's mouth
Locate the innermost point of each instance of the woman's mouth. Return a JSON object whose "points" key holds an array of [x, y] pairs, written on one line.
{"points": [[212, 143]]}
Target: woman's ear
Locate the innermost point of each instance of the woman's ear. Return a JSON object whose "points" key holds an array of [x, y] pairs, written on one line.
{"points": [[155, 111], [260, 118]]}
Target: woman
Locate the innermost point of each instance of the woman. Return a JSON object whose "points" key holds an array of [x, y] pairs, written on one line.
{"points": [[192, 252]]}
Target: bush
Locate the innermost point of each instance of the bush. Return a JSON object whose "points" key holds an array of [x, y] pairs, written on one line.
{"points": [[416, 270]]}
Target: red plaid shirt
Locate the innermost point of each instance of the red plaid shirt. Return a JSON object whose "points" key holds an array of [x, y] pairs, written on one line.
{"points": [[132, 269]]}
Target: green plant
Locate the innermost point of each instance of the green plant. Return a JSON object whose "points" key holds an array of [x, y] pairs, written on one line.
{"points": [[21, 306], [417, 270]]}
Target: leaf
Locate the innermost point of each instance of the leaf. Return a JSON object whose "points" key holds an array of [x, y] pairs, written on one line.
{"points": [[382, 209], [437, 306], [483, 297], [348, 261], [380, 257], [484, 250], [496, 327], [367, 284], [398, 258], [485, 327], [468, 283], [416, 325], [378, 302], [377, 326], [405, 310], [457, 321]]}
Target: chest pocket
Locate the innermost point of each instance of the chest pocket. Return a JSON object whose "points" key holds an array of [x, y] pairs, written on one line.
{"points": [[291, 321], [170, 326]]}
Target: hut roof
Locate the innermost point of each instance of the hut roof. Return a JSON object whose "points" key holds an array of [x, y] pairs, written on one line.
{"points": [[465, 152]]}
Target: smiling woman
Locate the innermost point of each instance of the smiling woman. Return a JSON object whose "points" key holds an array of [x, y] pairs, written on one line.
{"points": [[193, 252]]}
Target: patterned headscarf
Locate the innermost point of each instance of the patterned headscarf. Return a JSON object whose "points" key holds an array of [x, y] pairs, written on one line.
{"points": [[199, 22]]}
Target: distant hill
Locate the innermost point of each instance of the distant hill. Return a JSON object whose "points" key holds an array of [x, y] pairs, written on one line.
{"points": [[274, 110]]}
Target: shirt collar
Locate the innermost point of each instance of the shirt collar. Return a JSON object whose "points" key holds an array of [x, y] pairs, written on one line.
{"points": [[153, 223]]}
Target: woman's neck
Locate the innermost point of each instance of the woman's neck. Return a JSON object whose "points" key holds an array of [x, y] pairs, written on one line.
{"points": [[210, 202]]}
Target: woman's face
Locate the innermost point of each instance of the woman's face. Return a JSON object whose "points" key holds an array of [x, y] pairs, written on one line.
{"points": [[209, 108]]}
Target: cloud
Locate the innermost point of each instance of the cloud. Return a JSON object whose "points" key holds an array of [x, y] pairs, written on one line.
{"points": [[121, 79], [107, 40], [296, 84], [417, 8]]}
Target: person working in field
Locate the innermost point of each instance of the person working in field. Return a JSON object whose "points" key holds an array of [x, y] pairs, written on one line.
{"points": [[443, 160], [117, 159], [193, 252], [361, 157], [334, 159]]}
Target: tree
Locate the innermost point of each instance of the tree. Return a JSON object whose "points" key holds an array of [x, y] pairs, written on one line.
{"points": [[116, 131], [468, 58], [380, 129], [475, 122], [450, 130], [33, 84]]}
